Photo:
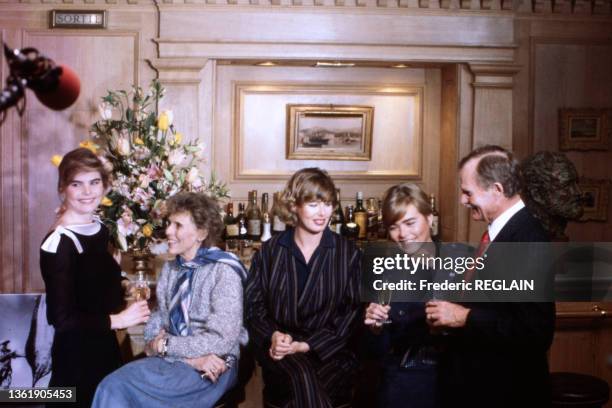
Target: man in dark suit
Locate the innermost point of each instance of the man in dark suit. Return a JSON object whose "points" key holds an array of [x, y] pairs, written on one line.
{"points": [[496, 352]]}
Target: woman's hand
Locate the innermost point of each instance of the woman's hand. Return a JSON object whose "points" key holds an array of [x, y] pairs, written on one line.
{"points": [[211, 365], [152, 348], [376, 314], [283, 345], [136, 313]]}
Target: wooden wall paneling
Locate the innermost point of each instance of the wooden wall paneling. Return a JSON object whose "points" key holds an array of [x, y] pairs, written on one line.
{"points": [[572, 73], [583, 340], [48, 132], [492, 113], [11, 227], [226, 75], [189, 92], [522, 144], [465, 141], [431, 139], [260, 120], [448, 200], [312, 26]]}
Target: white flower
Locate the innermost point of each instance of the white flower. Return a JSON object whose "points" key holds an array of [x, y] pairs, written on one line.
{"points": [[123, 245], [170, 115], [176, 157], [193, 175], [200, 153], [123, 146], [141, 152], [126, 228], [106, 110]]}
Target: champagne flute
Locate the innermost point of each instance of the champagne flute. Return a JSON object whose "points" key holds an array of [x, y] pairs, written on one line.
{"points": [[384, 298]]}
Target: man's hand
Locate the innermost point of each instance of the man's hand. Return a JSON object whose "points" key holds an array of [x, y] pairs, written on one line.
{"points": [[445, 314]]}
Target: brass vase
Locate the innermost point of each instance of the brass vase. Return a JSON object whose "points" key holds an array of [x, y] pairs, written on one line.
{"points": [[141, 263]]}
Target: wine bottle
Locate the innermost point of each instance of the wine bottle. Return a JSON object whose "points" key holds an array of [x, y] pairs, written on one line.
{"points": [[337, 218], [350, 228], [372, 211], [361, 216], [253, 215], [435, 223], [242, 222], [382, 230], [277, 223], [231, 223], [266, 233]]}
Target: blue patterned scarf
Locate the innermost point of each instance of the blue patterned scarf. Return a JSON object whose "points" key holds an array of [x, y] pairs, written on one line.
{"points": [[181, 294]]}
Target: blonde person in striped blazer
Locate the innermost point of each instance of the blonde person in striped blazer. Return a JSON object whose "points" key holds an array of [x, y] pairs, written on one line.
{"points": [[302, 301]]}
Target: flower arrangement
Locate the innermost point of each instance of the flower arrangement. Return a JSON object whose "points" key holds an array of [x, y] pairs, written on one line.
{"points": [[149, 163]]}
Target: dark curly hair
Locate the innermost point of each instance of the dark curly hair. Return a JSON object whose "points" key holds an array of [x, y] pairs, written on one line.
{"points": [[204, 211]]}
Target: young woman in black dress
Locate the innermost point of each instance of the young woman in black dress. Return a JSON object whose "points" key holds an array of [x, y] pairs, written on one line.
{"points": [[83, 282]]}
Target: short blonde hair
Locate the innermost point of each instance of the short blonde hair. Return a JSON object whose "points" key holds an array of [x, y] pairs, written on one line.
{"points": [[399, 197], [306, 185]]}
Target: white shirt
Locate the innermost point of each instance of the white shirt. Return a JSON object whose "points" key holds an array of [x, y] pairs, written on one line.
{"points": [[496, 226]]}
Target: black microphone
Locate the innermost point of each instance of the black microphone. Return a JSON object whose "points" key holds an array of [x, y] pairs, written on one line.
{"points": [[55, 86]]}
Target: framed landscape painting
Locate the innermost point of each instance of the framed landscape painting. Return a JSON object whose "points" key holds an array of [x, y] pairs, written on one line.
{"points": [[329, 132], [584, 129]]}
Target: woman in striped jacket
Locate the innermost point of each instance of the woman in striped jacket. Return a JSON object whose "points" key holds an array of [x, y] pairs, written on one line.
{"points": [[302, 300]]}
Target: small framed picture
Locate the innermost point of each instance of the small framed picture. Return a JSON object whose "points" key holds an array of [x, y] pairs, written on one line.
{"points": [[329, 132], [596, 194], [584, 129]]}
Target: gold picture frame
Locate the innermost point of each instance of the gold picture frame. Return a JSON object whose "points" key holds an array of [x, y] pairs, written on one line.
{"points": [[596, 195], [329, 132], [584, 129]]}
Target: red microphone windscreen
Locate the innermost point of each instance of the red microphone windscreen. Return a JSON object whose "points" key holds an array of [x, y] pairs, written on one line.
{"points": [[66, 92]]}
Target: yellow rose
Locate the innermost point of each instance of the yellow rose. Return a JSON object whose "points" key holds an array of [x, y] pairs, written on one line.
{"points": [[88, 144], [138, 141], [106, 202], [162, 122], [147, 230], [56, 160], [178, 137]]}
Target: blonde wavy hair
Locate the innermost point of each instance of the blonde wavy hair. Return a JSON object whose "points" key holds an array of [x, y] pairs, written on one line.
{"points": [[305, 185]]}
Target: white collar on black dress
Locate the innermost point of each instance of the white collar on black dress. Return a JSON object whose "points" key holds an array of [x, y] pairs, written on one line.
{"points": [[53, 240]]}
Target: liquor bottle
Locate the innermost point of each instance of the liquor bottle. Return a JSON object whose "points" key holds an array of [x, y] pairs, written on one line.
{"points": [[337, 218], [435, 223], [253, 215], [361, 216], [277, 223], [350, 228], [372, 211], [382, 230], [242, 222], [231, 223], [266, 233]]}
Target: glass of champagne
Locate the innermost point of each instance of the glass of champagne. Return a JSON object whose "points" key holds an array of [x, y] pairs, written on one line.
{"points": [[140, 288], [384, 298]]}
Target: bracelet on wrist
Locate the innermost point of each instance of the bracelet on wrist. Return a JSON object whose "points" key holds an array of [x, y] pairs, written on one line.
{"points": [[162, 348]]}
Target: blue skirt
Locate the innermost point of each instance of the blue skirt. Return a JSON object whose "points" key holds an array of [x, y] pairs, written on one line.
{"points": [[154, 382]]}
